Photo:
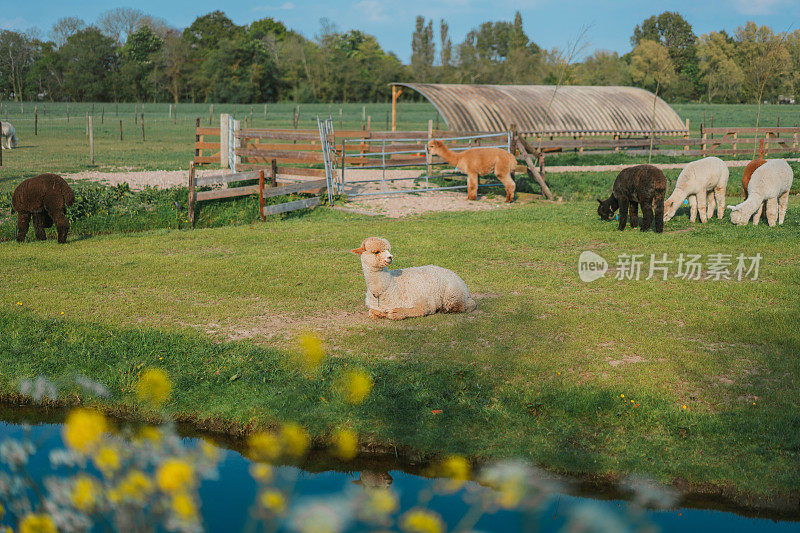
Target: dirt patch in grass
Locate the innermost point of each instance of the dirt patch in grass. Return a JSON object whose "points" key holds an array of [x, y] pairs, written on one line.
{"points": [[283, 328]]}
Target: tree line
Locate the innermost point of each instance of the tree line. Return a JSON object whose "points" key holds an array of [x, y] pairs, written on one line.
{"points": [[127, 56]]}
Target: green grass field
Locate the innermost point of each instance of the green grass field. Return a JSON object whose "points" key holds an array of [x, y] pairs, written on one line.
{"points": [[587, 378], [539, 371]]}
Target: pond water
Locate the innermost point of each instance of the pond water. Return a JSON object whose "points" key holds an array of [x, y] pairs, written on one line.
{"points": [[228, 500]]}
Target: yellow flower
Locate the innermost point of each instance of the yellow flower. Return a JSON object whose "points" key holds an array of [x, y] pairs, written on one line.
{"points": [[261, 472], [150, 433], [381, 502], [183, 506], [106, 460], [174, 475], [83, 429], [135, 486], [422, 521], [84, 493], [357, 385], [295, 439], [273, 500], [345, 444], [263, 446], [154, 387], [311, 351], [2, 511], [37, 523], [510, 494], [456, 469]]}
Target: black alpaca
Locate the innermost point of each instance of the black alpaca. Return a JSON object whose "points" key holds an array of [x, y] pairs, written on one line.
{"points": [[643, 185]]}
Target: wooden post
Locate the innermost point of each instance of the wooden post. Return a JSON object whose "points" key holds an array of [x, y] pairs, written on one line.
{"points": [[265, 111], [36, 120], [1, 154], [369, 123], [686, 146], [67, 112], [616, 138], [197, 138], [274, 177], [170, 110], [428, 157], [765, 142], [87, 123], [761, 148], [735, 136], [703, 146], [192, 195], [261, 194], [210, 114], [91, 139], [120, 130], [340, 118], [712, 120], [135, 114], [103, 115], [116, 109], [143, 127]]}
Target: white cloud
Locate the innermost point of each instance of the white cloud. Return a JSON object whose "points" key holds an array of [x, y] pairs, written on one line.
{"points": [[372, 9], [16, 24], [286, 6], [756, 7]]}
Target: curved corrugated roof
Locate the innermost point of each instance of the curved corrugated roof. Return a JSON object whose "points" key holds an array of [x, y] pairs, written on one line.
{"points": [[574, 109]]}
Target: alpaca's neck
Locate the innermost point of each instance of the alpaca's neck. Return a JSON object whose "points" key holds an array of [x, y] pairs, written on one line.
{"points": [[378, 281], [751, 205], [677, 197], [448, 155]]}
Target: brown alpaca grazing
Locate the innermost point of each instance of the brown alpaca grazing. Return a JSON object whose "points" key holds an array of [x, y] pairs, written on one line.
{"points": [[477, 162], [43, 197], [643, 185]]}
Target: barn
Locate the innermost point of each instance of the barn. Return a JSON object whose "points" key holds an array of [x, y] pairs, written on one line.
{"points": [[570, 109]]}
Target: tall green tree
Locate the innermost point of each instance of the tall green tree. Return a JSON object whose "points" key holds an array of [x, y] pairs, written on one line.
{"points": [[136, 64], [423, 49], [17, 54], [90, 63], [446, 45]]}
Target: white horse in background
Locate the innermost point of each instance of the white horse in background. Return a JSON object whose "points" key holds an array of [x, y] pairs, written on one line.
{"points": [[10, 134]]}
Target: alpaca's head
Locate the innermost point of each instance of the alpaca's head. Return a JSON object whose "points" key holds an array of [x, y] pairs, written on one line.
{"points": [[607, 207], [672, 204], [435, 147], [375, 253], [738, 215]]}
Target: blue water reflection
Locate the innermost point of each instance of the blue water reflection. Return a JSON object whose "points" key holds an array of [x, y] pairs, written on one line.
{"points": [[228, 501]]}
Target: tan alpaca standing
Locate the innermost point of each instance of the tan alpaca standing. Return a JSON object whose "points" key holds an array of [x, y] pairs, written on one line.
{"points": [[479, 162]]}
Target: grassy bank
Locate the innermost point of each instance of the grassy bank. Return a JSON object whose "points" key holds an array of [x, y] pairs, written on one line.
{"points": [[538, 371]]}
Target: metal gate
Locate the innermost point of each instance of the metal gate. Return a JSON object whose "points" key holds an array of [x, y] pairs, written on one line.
{"points": [[327, 139], [383, 161]]}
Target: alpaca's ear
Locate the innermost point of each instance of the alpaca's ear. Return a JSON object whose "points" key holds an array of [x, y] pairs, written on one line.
{"points": [[359, 251]]}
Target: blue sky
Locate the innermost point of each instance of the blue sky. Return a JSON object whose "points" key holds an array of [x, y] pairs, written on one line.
{"points": [[550, 23]]}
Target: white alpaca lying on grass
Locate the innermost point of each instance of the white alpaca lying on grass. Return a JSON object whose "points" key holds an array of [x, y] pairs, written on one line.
{"points": [[410, 292], [9, 133], [771, 182], [704, 182]]}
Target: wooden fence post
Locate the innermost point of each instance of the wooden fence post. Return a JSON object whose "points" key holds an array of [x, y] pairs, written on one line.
{"points": [[91, 139], [67, 112], [274, 177], [210, 114], [103, 115], [761, 148], [192, 195], [428, 157], [36, 120], [735, 137], [261, 194], [120, 130], [143, 127], [87, 123], [197, 150]]}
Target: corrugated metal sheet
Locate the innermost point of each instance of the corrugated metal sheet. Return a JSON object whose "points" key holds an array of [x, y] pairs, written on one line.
{"points": [[587, 109]]}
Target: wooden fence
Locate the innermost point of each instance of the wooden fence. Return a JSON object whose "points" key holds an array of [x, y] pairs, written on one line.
{"points": [[302, 147], [308, 182]]}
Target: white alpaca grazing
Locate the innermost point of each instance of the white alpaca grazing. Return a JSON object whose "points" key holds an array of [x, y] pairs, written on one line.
{"points": [[704, 181], [9, 133], [771, 183], [410, 292]]}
